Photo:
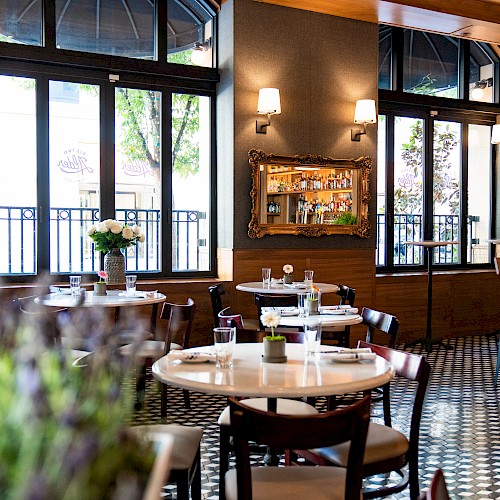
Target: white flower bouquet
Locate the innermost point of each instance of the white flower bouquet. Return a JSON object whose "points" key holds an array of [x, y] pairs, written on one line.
{"points": [[110, 234]]}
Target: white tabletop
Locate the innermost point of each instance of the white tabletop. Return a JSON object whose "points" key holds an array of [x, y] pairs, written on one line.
{"points": [[254, 378], [279, 288], [114, 298], [326, 319]]}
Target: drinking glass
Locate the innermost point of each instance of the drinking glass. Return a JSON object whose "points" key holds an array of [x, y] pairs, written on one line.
{"points": [[224, 340], [308, 277], [302, 305], [266, 277], [74, 283], [312, 336], [130, 282]]}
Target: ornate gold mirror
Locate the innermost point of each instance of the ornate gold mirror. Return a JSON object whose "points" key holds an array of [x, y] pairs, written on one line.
{"points": [[309, 195]]}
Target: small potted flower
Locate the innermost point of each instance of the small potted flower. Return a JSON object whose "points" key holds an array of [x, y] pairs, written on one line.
{"points": [[288, 277], [274, 345], [100, 286], [313, 300]]}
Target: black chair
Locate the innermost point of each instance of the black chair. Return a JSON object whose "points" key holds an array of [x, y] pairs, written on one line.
{"points": [[348, 425], [386, 448], [216, 293], [243, 334], [272, 300], [437, 489], [340, 334], [377, 321]]}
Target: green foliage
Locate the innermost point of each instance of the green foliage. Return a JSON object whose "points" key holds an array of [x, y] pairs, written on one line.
{"points": [[346, 219], [64, 432], [275, 338]]}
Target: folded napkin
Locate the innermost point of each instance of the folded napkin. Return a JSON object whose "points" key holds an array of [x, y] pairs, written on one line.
{"points": [[349, 354], [191, 356], [63, 291], [295, 285], [334, 310]]}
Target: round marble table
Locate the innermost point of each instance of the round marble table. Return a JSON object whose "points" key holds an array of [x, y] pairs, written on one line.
{"points": [[280, 289]]}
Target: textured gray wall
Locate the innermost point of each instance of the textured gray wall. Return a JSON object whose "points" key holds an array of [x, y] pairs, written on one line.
{"points": [[322, 65]]}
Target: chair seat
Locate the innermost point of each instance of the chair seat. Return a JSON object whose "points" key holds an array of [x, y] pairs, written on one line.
{"points": [[186, 441], [284, 407], [147, 349], [382, 443], [277, 483]]}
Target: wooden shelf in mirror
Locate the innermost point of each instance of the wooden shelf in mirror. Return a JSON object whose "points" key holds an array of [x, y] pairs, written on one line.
{"points": [[309, 195]]}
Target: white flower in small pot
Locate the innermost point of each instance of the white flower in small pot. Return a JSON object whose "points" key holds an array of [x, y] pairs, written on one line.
{"points": [[288, 277], [274, 345]]}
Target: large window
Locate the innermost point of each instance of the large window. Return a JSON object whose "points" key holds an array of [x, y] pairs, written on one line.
{"points": [[84, 143], [435, 161]]}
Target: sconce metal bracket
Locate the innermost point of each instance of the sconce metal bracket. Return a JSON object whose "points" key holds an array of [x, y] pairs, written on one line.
{"points": [[356, 133], [261, 125]]}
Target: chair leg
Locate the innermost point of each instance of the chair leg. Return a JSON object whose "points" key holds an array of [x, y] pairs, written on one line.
{"points": [[224, 450], [187, 402], [182, 484], [196, 477], [498, 364], [140, 386], [163, 396]]}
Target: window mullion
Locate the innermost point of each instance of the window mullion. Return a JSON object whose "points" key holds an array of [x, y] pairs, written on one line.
{"points": [[428, 159], [166, 182], [107, 138], [389, 226]]}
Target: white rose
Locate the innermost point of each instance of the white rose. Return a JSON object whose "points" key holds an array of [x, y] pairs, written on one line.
{"points": [[102, 228], [91, 231], [128, 234], [109, 223], [137, 230], [271, 319], [142, 238], [116, 228]]}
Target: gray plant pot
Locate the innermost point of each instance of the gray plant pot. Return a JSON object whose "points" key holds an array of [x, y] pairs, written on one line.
{"points": [[288, 279], [274, 351], [100, 289]]}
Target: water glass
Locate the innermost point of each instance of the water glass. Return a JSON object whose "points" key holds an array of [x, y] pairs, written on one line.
{"points": [[224, 340], [266, 277], [130, 283], [74, 283], [308, 277], [302, 305], [312, 336]]}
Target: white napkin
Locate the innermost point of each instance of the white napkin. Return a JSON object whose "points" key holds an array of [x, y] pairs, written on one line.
{"points": [[191, 356], [335, 310], [361, 354], [62, 291]]}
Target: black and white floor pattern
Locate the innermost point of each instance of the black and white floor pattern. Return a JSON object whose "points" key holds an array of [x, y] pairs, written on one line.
{"points": [[460, 429]]}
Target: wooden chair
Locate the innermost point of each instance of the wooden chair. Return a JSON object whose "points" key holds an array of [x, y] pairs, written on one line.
{"points": [[347, 425], [185, 461], [243, 334], [381, 322], [340, 334], [179, 321], [437, 489], [386, 448], [272, 300], [216, 293]]}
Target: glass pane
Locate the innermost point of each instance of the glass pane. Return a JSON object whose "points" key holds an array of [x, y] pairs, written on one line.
{"points": [[384, 57], [446, 192], [74, 171], [381, 189], [478, 194], [113, 27], [408, 189], [190, 36], [481, 76], [430, 64], [18, 175], [191, 185], [138, 172], [21, 22]]}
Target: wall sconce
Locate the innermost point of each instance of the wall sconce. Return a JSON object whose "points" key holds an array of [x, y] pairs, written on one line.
{"points": [[477, 91], [365, 113], [198, 56], [495, 134], [269, 104]]}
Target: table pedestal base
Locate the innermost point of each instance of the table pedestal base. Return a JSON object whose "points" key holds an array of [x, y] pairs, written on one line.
{"points": [[427, 343]]}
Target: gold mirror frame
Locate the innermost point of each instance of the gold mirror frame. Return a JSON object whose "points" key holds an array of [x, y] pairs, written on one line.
{"points": [[261, 163]]}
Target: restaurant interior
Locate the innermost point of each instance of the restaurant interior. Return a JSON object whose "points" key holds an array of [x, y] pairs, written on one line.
{"points": [[322, 59]]}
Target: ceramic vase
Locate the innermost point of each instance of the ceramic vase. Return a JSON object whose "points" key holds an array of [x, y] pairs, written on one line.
{"points": [[288, 279], [274, 351], [100, 288], [114, 265]]}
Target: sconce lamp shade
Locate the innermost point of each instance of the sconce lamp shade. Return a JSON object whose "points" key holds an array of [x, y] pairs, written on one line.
{"points": [[365, 111], [495, 134], [269, 102], [198, 55]]}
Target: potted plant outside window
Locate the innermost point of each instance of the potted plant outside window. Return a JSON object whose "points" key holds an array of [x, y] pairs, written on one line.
{"points": [[274, 345]]}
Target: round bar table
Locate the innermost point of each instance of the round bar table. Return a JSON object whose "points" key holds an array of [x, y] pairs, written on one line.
{"points": [[427, 341], [280, 289]]}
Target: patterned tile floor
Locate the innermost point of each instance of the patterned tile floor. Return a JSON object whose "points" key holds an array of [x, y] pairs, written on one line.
{"points": [[460, 430]]}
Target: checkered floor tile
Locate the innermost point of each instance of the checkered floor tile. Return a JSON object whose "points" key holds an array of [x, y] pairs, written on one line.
{"points": [[459, 433]]}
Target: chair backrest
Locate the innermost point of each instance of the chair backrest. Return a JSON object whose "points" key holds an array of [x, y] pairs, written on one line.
{"points": [[179, 322], [414, 368], [216, 293], [227, 318], [300, 432], [271, 300], [380, 321], [437, 489], [346, 294]]}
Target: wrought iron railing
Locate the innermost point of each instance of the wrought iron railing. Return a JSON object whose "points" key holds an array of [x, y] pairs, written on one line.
{"points": [[72, 251], [409, 227]]}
